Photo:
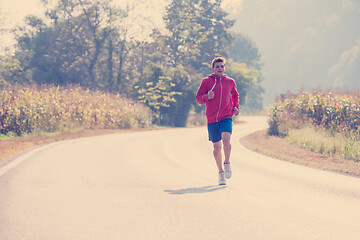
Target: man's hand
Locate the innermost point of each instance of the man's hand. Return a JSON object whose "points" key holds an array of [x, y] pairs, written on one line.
{"points": [[210, 94], [236, 111]]}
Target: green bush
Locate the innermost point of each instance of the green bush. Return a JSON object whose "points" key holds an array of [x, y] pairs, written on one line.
{"points": [[335, 113], [339, 113]]}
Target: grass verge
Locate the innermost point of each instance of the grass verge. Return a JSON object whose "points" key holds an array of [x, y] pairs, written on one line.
{"points": [[264, 144], [325, 142]]}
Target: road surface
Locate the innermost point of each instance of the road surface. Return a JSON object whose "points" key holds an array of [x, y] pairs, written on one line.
{"points": [[163, 185]]}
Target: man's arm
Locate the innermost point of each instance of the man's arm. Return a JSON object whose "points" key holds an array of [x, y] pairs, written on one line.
{"points": [[202, 93], [235, 99]]}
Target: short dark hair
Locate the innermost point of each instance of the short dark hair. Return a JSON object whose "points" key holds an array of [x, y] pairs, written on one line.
{"points": [[218, 59]]}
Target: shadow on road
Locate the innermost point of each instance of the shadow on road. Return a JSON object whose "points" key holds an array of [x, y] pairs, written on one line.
{"points": [[206, 189]]}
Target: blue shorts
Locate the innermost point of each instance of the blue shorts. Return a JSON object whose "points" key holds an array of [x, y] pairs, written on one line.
{"points": [[217, 128]]}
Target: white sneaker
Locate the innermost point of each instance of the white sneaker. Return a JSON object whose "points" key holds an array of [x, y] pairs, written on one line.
{"points": [[222, 180], [227, 168]]}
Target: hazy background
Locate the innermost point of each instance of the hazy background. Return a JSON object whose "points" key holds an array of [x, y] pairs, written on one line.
{"points": [[304, 43]]}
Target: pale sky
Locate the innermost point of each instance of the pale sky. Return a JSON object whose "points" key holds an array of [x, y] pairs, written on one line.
{"points": [[15, 10]]}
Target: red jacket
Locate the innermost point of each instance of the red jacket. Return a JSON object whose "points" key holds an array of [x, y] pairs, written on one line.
{"points": [[225, 99]]}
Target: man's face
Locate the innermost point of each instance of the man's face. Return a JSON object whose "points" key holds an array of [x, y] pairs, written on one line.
{"points": [[219, 69]]}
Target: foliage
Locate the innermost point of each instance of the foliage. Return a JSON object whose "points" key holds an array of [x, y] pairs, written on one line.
{"points": [[181, 21], [28, 110], [81, 45], [198, 32], [180, 86], [10, 70], [244, 77], [254, 97], [88, 43], [157, 95], [244, 50], [336, 113], [178, 113]]}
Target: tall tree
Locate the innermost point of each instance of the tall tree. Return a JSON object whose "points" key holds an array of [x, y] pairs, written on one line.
{"points": [[184, 40], [214, 20], [90, 20], [244, 50], [81, 45], [244, 77], [198, 32]]}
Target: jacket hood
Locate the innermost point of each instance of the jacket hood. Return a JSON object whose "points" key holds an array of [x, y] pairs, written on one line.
{"points": [[214, 76]]}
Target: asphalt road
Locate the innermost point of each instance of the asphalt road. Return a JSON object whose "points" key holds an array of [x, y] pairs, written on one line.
{"points": [[163, 185]]}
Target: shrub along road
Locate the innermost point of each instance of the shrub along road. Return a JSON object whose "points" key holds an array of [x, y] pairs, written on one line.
{"points": [[163, 185]]}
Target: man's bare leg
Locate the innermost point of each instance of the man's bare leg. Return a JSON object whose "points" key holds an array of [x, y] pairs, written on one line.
{"points": [[226, 137], [218, 156]]}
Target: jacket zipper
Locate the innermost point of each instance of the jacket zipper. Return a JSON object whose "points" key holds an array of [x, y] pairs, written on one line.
{"points": [[217, 115]]}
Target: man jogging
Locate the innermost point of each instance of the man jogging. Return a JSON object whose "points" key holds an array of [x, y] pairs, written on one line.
{"points": [[218, 93]]}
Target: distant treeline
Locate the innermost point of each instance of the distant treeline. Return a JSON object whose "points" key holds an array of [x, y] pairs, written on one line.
{"points": [[88, 43]]}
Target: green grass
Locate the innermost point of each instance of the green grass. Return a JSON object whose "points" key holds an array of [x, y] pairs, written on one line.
{"points": [[326, 123], [5, 137], [325, 142]]}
